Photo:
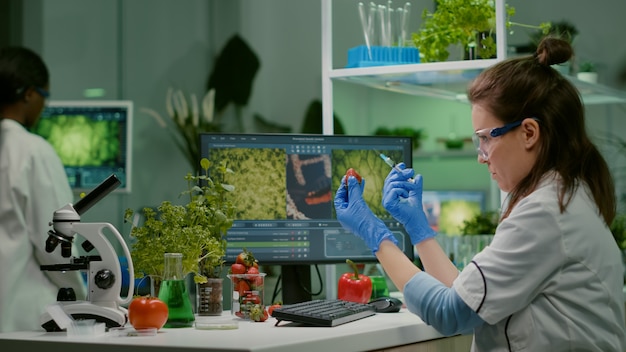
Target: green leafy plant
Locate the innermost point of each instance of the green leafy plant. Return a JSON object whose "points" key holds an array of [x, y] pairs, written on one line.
{"points": [[560, 29], [417, 135], [586, 66], [618, 229], [460, 22], [482, 224], [196, 229]]}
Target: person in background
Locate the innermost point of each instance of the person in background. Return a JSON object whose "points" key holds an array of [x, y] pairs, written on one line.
{"points": [[33, 185], [552, 278]]}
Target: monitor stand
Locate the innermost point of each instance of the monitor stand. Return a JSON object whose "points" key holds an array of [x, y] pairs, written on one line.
{"points": [[296, 283]]}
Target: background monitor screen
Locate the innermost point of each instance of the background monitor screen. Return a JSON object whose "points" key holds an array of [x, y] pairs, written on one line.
{"points": [[92, 138], [447, 210], [284, 190]]}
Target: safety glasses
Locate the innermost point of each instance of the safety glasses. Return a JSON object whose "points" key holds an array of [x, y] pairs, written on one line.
{"points": [[482, 138]]}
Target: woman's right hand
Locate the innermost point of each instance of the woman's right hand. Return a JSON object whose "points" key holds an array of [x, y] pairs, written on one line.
{"points": [[402, 198]]}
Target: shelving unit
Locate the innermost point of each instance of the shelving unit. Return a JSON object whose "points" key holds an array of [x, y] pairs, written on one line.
{"points": [[440, 80]]}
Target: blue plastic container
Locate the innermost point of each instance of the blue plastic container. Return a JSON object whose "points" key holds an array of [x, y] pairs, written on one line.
{"points": [[382, 56]]}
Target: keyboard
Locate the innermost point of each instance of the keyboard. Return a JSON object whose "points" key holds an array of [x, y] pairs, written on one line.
{"points": [[323, 312]]}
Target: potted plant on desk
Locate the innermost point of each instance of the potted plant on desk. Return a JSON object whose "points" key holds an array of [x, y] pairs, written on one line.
{"points": [[196, 229]]}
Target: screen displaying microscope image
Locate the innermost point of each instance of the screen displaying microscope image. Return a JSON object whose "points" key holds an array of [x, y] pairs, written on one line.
{"points": [[285, 186], [92, 138]]}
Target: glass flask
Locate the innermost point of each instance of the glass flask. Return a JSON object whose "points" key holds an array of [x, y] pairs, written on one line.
{"points": [[174, 293]]}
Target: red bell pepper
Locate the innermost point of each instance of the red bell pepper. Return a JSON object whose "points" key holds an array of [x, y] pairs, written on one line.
{"points": [[354, 287]]}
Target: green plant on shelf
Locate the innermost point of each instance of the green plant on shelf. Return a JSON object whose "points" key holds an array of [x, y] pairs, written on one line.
{"points": [[587, 66], [417, 135], [462, 22], [484, 223]]}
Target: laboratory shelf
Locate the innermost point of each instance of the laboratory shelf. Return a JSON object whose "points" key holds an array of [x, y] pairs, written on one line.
{"points": [[449, 80], [597, 94], [441, 80]]}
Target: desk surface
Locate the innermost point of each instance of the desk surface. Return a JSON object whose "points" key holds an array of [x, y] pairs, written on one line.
{"points": [[380, 331]]}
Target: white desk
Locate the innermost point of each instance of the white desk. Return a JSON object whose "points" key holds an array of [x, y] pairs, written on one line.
{"points": [[379, 332]]}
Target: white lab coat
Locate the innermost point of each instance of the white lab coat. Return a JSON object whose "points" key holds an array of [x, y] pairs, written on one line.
{"points": [[33, 185], [548, 281]]}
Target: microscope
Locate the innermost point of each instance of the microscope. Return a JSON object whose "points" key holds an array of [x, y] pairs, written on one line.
{"points": [[104, 270]]}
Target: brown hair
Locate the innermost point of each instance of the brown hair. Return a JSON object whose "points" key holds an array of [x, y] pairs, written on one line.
{"points": [[528, 86]]}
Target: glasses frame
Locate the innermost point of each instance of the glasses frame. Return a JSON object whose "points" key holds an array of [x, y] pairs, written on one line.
{"points": [[44, 93], [494, 132]]}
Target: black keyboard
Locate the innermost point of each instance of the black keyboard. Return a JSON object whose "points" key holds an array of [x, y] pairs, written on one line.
{"points": [[323, 312]]}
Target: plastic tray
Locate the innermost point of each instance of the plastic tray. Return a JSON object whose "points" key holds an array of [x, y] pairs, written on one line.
{"points": [[382, 56]]}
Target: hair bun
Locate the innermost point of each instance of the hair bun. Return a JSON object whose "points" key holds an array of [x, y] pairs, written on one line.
{"points": [[552, 51]]}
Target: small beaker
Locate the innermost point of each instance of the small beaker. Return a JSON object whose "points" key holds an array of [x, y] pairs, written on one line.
{"points": [[174, 293], [209, 297], [247, 298]]}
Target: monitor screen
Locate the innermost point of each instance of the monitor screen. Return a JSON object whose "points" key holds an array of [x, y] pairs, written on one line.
{"points": [[92, 138], [447, 210], [284, 190]]}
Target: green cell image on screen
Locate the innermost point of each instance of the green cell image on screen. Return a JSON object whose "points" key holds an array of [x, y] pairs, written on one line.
{"points": [[82, 141]]}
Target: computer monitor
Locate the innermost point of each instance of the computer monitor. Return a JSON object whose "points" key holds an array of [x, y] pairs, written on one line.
{"points": [[447, 210], [93, 138], [284, 196]]}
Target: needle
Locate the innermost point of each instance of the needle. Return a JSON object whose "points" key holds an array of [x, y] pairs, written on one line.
{"points": [[391, 163]]}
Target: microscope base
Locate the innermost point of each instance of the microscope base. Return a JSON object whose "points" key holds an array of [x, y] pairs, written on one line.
{"points": [[81, 310]]}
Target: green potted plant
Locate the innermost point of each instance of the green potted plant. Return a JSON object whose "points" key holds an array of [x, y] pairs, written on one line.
{"points": [[417, 135], [587, 72], [469, 23], [484, 223], [618, 229], [196, 229]]}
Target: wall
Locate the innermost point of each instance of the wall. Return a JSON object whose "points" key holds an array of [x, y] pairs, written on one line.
{"points": [[133, 50]]}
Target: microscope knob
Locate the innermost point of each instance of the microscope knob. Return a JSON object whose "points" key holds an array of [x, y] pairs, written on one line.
{"points": [[104, 279]]}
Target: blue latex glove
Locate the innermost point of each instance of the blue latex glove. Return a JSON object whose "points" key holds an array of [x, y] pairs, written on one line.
{"points": [[402, 197], [356, 217]]}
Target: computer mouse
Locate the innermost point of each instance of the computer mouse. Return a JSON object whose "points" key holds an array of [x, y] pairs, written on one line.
{"points": [[386, 304]]}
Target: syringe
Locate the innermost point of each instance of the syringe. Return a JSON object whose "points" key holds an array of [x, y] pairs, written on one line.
{"points": [[392, 164]]}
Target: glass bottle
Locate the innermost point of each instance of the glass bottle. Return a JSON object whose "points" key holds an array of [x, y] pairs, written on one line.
{"points": [[174, 293]]}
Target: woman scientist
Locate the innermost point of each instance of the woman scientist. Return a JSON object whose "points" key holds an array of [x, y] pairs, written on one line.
{"points": [[552, 278], [33, 185]]}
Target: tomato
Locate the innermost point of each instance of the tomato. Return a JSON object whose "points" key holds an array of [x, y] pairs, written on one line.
{"points": [[352, 172], [271, 308], [147, 312], [238, 268]]}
